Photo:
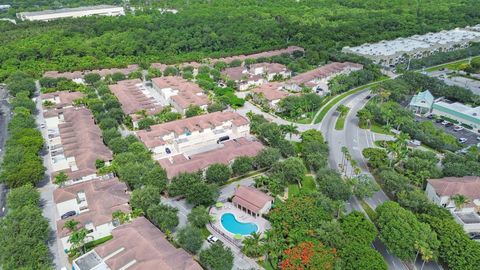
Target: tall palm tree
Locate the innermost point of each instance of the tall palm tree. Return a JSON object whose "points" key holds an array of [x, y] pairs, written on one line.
{"points": [[252, 245], [289, 129], [77, 239], [460, 200], [71, 225]]}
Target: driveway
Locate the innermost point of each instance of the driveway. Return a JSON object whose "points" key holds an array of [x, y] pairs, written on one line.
{"points": [[46, 188]]}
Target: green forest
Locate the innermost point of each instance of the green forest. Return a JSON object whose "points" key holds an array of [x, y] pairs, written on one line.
{"points": [[216, 28]]}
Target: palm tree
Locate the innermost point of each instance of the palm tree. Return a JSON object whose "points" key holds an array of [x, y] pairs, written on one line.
{"points": [[460, 200], [344, 155], [343, 110], [77, 239], [71, 225], [289, 129], [252, 245]]}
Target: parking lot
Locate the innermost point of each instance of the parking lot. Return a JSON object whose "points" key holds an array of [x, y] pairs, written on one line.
{"points": [[465, 133]]}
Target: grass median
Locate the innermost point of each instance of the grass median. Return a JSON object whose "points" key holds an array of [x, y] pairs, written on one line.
{"points": [[340, 124]]}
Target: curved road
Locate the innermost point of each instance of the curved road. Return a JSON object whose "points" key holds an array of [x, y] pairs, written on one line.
{"points": [[357, 139]]}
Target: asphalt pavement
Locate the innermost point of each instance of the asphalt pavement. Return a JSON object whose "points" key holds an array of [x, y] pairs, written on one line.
{"points": [[356, 139], [5, 111], [46, 188]]}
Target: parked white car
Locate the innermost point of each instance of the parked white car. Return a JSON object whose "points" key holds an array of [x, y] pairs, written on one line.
{"points": [[212, 239], [458, 128], [462, 140]]}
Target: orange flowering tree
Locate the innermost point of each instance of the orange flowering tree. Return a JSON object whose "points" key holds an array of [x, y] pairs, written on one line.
{"points": [[308, 255]]}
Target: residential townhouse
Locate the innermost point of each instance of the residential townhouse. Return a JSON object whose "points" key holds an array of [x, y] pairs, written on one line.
{"points": [[75, 143], [136, 246], [225, 154], [256, 74], [266, 54], [78, 75], [94, 203], [135, 98], [317, 79], [442, 192], [180, 93], [272, 93], [194, 133]]}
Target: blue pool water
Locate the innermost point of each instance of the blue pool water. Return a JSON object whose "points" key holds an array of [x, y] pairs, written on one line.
{"points": [[231, 224]]}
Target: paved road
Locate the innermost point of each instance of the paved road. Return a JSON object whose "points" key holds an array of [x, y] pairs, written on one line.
{"points": [[356, 139], [46, 188], [339, 138], [5, 111]]}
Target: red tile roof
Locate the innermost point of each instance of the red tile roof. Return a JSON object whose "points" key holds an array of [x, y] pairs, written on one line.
{"points": [[132, 98], [82, 139], [103, 198], [231, 150], [271, 91], [230, 59], [323, 72], [152, 138], [79, 74], [251, 198], [189, 93], [145, 245], [468, 186]]}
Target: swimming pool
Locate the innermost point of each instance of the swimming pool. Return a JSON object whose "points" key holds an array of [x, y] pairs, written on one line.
{"points": [[231, 224]]}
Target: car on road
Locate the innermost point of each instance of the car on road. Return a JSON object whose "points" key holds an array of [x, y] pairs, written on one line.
{"points": [[458, 128], [463, 140], [68, 214], [212, 239], [368, 97], [478, 138], [444, 123]]}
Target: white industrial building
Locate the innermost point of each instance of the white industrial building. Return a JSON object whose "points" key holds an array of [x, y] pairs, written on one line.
{"points": [[400, 50], [48, 15]]}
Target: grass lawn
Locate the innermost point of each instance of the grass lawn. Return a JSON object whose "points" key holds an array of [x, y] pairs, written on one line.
{"points": [[308, 183], [205, 232], [379, 129], [293, 190], [452, 66], [340, 124]]}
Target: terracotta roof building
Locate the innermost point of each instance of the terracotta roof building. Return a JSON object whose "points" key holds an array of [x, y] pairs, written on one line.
{"points": [[320, 75], [191, 133], [93, 202], [102, 72], [138, 245], [174, 165], [272, 92], [442, 192], [75, 143], [242, 57], [134, 97], [180, 93], [61, 99], [252, 200]]}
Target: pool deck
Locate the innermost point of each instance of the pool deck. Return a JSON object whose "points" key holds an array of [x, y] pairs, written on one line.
{"points": [[241, 216]]}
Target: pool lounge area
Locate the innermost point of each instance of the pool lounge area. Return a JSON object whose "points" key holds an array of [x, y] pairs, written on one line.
{"points": [[232, 221]]}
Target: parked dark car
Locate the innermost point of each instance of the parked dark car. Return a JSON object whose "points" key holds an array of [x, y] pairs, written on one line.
{"points": [[430, 116], [68, 214], [167, 150], [223, 138], [438, 120], [449, 124]]}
